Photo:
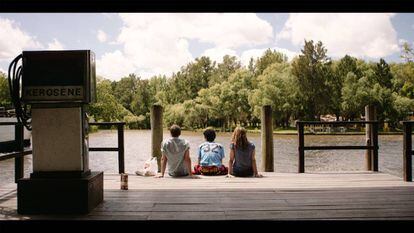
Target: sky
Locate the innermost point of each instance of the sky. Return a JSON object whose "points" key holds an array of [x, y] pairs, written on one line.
{"points": [[149, 44]]}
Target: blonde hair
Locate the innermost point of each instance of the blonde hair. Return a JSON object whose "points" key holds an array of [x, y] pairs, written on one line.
{"points": [[239, 138]]}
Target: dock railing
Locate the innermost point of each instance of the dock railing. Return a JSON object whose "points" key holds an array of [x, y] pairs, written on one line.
{"points": [[408, 151], [121, 146], [20, 153], [372, 145]]}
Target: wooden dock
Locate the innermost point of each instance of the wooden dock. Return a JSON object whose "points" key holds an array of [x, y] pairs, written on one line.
{"points": [[277, 196]]}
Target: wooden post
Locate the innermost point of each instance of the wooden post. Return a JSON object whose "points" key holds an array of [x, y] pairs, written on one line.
{"points": [[301, 145], [370, 115], [19, 161], [408, 152], [267, 139], [375, 150], [156, 133], [121, 149]]}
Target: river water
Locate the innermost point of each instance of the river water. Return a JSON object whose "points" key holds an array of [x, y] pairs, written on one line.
{"points": [[138, 149]]}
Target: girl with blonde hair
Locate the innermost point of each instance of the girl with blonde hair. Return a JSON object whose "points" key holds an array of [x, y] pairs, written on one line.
{"points": [[242, 162]]}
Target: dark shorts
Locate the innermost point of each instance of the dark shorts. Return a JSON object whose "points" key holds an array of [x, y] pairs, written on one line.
{"points": [[210, 170], [242, 172], [178, 174]]}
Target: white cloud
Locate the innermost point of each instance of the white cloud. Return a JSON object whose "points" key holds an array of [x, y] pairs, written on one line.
{"points": [[256, 53], [13, 40], [360, 35], [402, 41], [217, 54], [55, 45], [102, 37], [108, 15], [158, 43], [114, 65]]}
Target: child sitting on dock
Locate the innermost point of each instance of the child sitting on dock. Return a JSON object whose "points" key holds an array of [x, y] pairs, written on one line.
{"points": [[176, 153], [210, 156], [242, 162]]}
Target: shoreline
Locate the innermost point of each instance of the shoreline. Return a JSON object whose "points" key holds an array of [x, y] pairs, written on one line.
{"points": [[281, 132]]}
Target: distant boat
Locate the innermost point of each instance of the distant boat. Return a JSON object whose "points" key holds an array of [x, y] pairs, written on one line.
{"points": [[7, 143]]}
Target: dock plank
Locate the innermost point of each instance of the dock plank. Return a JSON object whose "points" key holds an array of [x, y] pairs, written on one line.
{"points": [[278, 196]]}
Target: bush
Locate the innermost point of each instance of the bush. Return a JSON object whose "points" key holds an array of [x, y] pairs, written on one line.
{"points": [[135, 122]]}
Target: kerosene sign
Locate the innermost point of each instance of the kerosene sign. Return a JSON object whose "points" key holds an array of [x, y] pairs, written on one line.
{"points": [[54, 93], [66, 78]]}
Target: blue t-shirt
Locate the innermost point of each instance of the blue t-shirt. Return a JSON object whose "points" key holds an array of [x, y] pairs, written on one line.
{"points": [[210, 154]]}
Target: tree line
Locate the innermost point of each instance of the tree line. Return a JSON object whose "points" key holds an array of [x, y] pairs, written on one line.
{"points": [[205, 93]]}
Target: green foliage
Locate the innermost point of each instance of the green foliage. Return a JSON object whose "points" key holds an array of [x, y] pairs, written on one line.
{"points": [[403, 82], [173, 114], [107, 108], [312, 72], [403, 106], [203, 93], [224, 70], [407, 52], [185, 84], [135, 122], [383, 74], [354, 96], [277, 89], [269, 57], [5, 100]]}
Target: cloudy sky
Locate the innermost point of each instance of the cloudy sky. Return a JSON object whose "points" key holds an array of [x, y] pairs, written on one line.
{"points": [[151, 44]]}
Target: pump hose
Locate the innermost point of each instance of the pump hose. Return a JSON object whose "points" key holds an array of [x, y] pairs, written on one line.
{"points": [[23, 113]]}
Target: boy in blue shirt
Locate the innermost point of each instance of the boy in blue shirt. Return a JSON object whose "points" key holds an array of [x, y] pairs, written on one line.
{"points": [[210, 156]]}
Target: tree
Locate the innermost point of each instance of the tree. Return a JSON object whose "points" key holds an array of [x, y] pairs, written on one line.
{"points": [[357, 93], [226, 103], [5, 99], [345, 65], [383, 74], [185, 84], [402, 106], [224, 70], [125, 89], [107, 108], [407, 52], [310, 70], [276, 89], [403, 79], [203, 93], [354, 96], [268, 58], [174, 114]]}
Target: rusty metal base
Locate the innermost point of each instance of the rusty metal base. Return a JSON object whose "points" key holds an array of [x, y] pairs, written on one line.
{"points": [[59, 195]]}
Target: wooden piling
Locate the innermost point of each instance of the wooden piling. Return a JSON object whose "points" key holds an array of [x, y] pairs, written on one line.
{"points": [[374, 156], [156, 133], [407, 152], [267, 139], [19, 161], [301, 145], [121, 149], [370, 115]]}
